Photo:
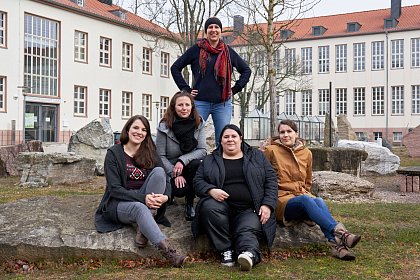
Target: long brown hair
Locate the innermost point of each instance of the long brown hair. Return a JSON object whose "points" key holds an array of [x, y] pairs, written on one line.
{"points": [[170, 113], [145, 155]]}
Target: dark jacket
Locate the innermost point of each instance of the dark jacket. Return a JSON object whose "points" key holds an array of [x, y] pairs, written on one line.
{"points": [[259, 175], [116, 181], [208, 88]]}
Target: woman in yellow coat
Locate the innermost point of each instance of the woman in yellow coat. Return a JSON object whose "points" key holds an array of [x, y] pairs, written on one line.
{"points": [[292, 161]]}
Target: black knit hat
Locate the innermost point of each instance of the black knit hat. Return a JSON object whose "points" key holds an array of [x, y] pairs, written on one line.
{"points": [[212, 20]]}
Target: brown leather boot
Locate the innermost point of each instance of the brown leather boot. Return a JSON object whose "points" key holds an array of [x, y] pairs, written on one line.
{"points": [[340, 251], [343, 236], [169, 252], [140, 240]]}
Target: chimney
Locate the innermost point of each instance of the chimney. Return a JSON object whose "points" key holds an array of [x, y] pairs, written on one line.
{"points": [[108, 2], [395, 9], [238, 25]]}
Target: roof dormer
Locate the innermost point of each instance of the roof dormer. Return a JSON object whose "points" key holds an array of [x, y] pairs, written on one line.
{"points": [[80, 3], [390, 23], [122, 14], [318, 30], [353, 26], [286, 34]]}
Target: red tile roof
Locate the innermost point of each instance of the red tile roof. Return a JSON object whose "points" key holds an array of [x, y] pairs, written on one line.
{"points": [[336, 25], [98, 9]]}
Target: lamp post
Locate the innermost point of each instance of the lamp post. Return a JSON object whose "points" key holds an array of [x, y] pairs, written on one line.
{"points": [[157, 105]]}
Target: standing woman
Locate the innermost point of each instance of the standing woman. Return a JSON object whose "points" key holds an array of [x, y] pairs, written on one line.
{"points": [[292, 161], [181, 144], [212, 63], [136, 189], [238, 191]]}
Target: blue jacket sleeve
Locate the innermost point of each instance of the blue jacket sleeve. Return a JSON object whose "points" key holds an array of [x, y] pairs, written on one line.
{"points": [[176, 69]]}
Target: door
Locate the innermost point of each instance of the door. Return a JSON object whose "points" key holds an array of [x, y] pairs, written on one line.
{"points": [[41, 122]]}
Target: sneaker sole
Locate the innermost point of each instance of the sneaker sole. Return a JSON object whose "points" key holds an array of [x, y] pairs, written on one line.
{"points": [[245, 263], [356, 240], [231, 264]]}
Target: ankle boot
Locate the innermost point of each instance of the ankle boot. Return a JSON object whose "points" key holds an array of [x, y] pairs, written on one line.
{"points": [[169, 252], [340, 251], [343, 236], [189, 209], [140, 240]]}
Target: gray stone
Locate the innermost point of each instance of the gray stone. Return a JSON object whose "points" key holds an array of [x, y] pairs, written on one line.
{"points": [[380, 160], [210, 135], [345, 130], [92, 141], [327, 138], [53, 228], [43, 169], [8, 156], [338, 186]]}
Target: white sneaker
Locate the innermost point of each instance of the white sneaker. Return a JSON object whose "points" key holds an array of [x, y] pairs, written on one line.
{"points": [[245, 261], [227, 258]]}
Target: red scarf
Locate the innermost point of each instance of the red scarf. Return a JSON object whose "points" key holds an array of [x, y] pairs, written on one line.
{"points": [[222, 67]]}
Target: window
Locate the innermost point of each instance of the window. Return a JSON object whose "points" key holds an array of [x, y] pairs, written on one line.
{"points": [[41, 55], [397, 136], [397, 100], [324, 101], [79, 103], [359, 101], [377, 135], [341, 58], [378, 101], [415, 52], [3, 29], [127, 57], [104, 103], [147, 61], [397, 54], [78, 2], [278, 104], [80, 46], [126, 102], [164, 103], [2, 94], [359, 57], [324, 59], [341, 101], [290, 101], [164, 64], [307, 102], [105, 52], [361, 136], [259, 62], [147, 106], [378, 55], [277, 61], [290, 57], [306, 60], [415, 99]]}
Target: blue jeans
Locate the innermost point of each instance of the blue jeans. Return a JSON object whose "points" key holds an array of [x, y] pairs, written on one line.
{"points": [[221, 114], [304, 207], [130, 212]]}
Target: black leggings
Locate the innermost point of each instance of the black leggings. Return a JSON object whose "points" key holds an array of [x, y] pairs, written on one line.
{"points": [[188, 172]]}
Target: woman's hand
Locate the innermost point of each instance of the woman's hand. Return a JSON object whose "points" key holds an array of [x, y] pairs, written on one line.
{"points": [[180, 182], [194, 92], [218, 194], [264, 213], [155, 201], [177, 170]]}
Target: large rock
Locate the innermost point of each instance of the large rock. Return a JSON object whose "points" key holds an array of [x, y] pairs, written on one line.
{"points": [[54, 228], [345, 131], [92, 141], [8, 156], [380, 160], [42, 169], [341, 187]]}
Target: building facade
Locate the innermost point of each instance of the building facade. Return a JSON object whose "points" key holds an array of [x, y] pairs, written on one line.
{"points": [[64, 63]]}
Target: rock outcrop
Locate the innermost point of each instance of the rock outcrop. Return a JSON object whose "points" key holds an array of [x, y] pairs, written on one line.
{"points": [[92, 141], [345, 131], [42, 169], [8, 156]]}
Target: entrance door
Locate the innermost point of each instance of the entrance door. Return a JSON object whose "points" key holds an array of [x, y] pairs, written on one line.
{"points": [[41, 122]]}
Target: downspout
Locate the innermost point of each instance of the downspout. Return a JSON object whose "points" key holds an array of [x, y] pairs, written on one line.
{"points": [[386, 86]]}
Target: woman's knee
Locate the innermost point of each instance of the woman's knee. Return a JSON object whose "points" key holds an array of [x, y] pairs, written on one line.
{"points": [[158, 172], [213, 209]]}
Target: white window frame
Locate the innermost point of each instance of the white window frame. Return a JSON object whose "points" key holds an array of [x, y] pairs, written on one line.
{"points": [[80, 46], [359, 54], [341, 101], [290, 59], [378, 101], [397, 100], [147, 106], [378, 62], [164, 64], [105, 51], [3, 87], [290, 102], [341, 58], [306, 54], [415, 99], [397, 54], [397, 136], [323, 59], [3, 29], [126, 104], [415, 52], [259, 62], [80, 101], [164, 104], [307, 102], [104, 103], [127, 56], [276, 61], [147, 61], [323, 101], [359, 101]]}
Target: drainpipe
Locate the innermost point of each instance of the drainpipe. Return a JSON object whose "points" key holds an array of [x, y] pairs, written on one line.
{"points": [[386, 85]]}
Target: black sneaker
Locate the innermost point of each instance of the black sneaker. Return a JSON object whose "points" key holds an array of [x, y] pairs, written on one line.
{"points": [[245, 260], [227, 258]]}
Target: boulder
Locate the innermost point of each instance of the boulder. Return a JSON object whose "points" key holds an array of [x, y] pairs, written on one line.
{"points": [[342, 187], [92, 141], [380, 160], [210, 135], [43, 169], [345, 131], [8, 156], [63, 227]]}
